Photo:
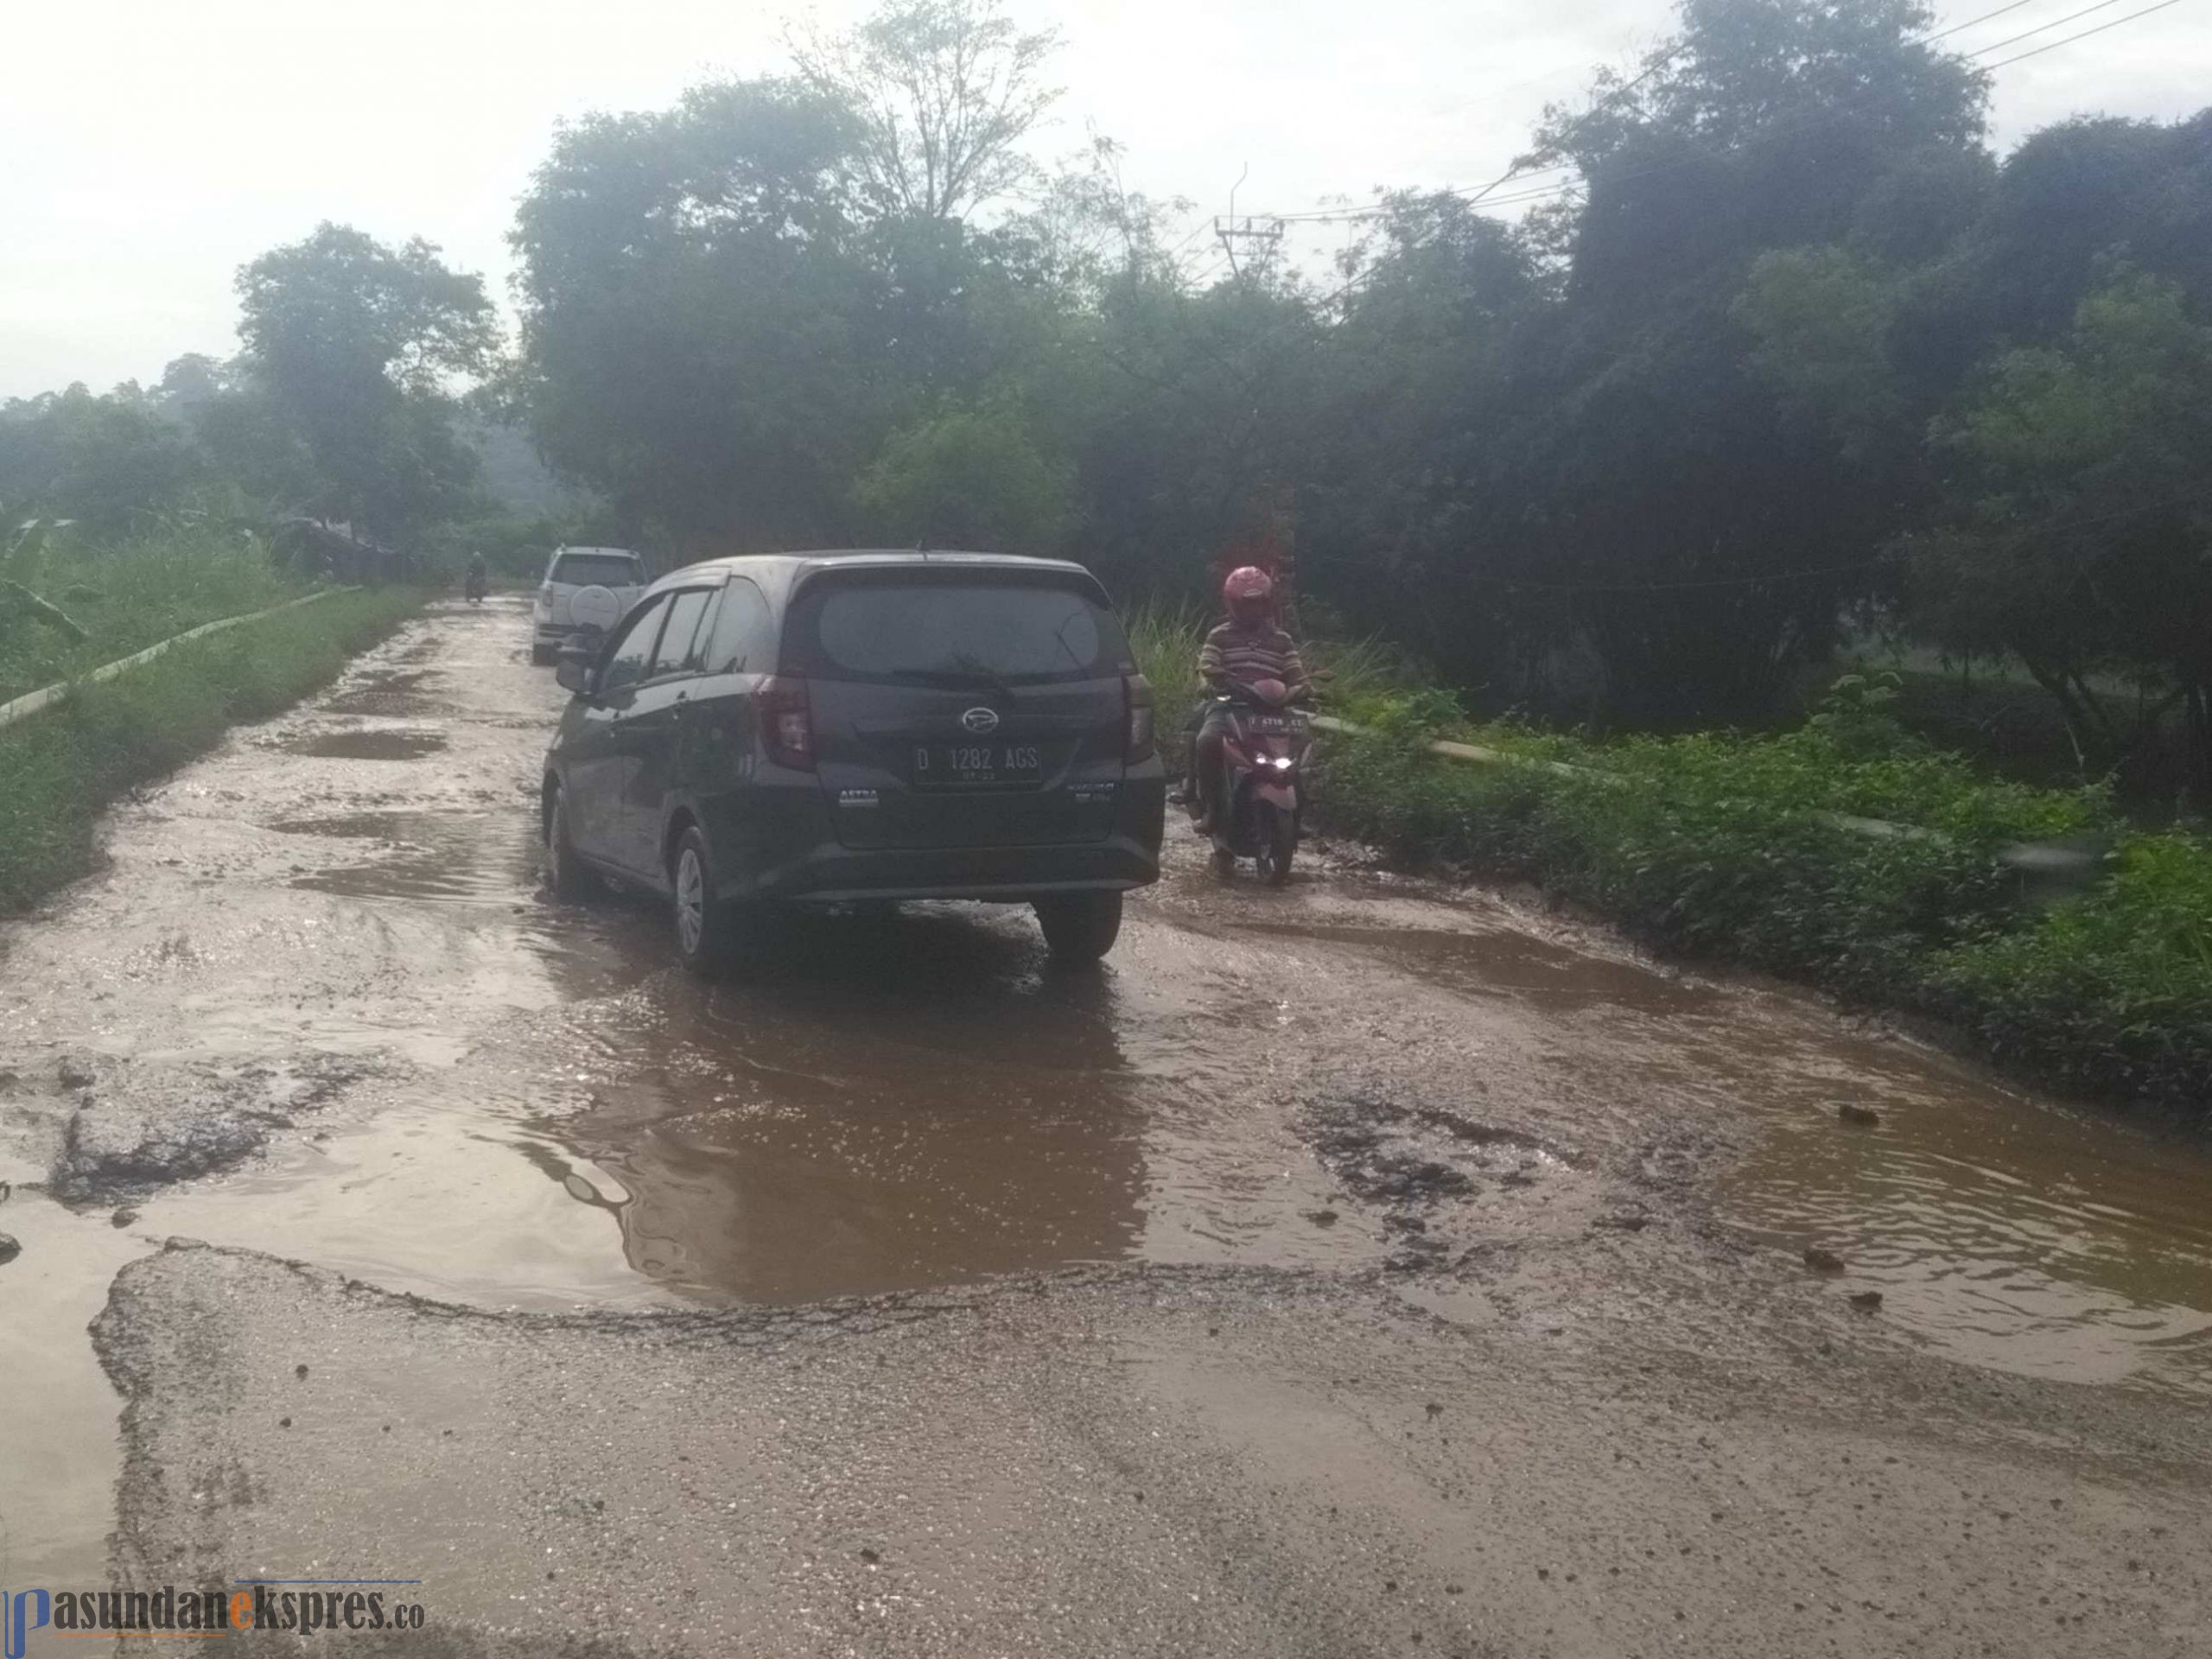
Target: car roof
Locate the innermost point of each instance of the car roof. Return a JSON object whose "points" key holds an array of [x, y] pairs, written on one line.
{"points": [[783, 571]]}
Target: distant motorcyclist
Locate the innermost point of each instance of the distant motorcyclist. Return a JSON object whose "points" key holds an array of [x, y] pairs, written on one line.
{"points": [[1246, 648], [480, 576]]}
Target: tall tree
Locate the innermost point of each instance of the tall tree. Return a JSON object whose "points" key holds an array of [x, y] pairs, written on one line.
{"points": [[2081, 532], [692, 301], [944, 93], [360, 344], [1704, 544]]}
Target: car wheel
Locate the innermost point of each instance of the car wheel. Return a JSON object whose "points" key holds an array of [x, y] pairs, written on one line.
{"points": [[707, 928], [571, 878], [1080, 926]]}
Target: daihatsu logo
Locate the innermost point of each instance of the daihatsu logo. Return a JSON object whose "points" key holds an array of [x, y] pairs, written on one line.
{"points": [[979, 720]]}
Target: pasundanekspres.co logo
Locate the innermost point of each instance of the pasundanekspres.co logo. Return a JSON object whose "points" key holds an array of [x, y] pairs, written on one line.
{"points": [[306, 1607]]}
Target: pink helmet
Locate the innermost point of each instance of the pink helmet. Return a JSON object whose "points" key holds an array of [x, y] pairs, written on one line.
{"points": [[1250, 592]]}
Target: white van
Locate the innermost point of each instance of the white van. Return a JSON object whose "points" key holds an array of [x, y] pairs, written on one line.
{"points": [[586, 592]]}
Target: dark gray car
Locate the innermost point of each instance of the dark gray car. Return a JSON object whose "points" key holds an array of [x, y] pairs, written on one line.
{"points": [[832, 728]]}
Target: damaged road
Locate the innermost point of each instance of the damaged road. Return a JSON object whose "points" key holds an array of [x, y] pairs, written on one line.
{"points": [[1357, 1268], [1138, 1461]]}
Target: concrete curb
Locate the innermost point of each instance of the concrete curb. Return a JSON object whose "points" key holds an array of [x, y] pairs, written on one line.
{"points": [[2046, 868], [31, 703]]}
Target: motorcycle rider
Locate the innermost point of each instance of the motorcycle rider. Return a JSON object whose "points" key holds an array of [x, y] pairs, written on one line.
{"points": [[1247, 648], [480, 576]]}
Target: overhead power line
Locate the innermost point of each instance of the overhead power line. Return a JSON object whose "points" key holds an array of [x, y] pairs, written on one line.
{"points": [[1472, 195], [1544, 191], [1957, 29], [1996, 45], [2037, 52]]}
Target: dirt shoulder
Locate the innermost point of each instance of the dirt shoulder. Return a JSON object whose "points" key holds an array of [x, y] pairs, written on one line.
{"points": [[1128, 1462]]}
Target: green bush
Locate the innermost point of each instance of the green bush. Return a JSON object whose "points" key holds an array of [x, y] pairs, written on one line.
{"points": [[59, 768], [127, 595], [1738, 847], [2112, 991]]}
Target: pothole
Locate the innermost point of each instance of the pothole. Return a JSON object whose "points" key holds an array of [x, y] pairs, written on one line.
{"points": [[1425, 1168], [371, 744]]}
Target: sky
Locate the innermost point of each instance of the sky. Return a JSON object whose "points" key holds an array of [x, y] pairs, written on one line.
{"points": [[148, 147]]}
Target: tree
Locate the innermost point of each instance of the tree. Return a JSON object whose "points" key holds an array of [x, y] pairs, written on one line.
{"points": [[696, 344], [194, 380], [360, 344], [1703, 542], [104, 462], [1650, 445], [1412, 502], [968, 477], [943, 92], [2080, 535]]}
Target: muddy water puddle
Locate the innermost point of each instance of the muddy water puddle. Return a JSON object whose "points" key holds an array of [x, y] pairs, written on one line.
{"points": [[369, 744], [426, 856], [386, 692], [1999, 1229], [897, 1102], [1498, 963]]}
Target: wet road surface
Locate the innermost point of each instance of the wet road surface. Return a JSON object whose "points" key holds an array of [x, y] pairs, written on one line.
{"points": [[319, 1007]]}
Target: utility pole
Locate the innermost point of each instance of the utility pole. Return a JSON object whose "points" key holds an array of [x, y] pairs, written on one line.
{"points": [[1250, 230]]}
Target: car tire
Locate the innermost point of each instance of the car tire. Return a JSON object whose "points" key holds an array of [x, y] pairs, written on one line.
{"points": [[1080, 926], [708, 930], [570, 878]]}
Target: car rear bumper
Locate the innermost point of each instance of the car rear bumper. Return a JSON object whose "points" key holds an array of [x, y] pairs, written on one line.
{"points": [[826, 872]]}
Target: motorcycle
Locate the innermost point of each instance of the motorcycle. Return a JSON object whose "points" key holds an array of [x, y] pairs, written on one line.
{"points": [[478, 585], [1263, 762]]}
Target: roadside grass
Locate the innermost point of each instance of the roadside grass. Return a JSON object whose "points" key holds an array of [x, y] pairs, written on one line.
{"points": [[61, 766], [1166, 638], [127, 596], [1728, 846]]}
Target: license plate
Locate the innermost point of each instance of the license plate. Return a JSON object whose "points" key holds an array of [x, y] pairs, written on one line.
{"points": [[1272, 722], [950, 766]]}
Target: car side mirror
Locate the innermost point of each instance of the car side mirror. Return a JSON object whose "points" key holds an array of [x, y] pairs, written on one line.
{"points": [[573, 673]]}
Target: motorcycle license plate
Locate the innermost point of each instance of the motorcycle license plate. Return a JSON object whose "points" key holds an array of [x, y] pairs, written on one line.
{"points": [[1272, 722], [967, 766]]}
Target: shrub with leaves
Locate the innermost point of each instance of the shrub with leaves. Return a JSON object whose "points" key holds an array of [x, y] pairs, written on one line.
{"points": [[2112, 991], [1757, 849]]}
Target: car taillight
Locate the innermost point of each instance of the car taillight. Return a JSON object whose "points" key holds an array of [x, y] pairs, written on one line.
{"points": [[1136, 698], [786, 721]]}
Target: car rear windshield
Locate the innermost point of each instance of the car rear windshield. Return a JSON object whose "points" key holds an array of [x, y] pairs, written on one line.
{"points": [[598, 569], [953, 632]]}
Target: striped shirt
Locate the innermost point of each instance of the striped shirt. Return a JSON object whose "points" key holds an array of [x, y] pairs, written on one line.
{"points": [[1265, 653]]}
